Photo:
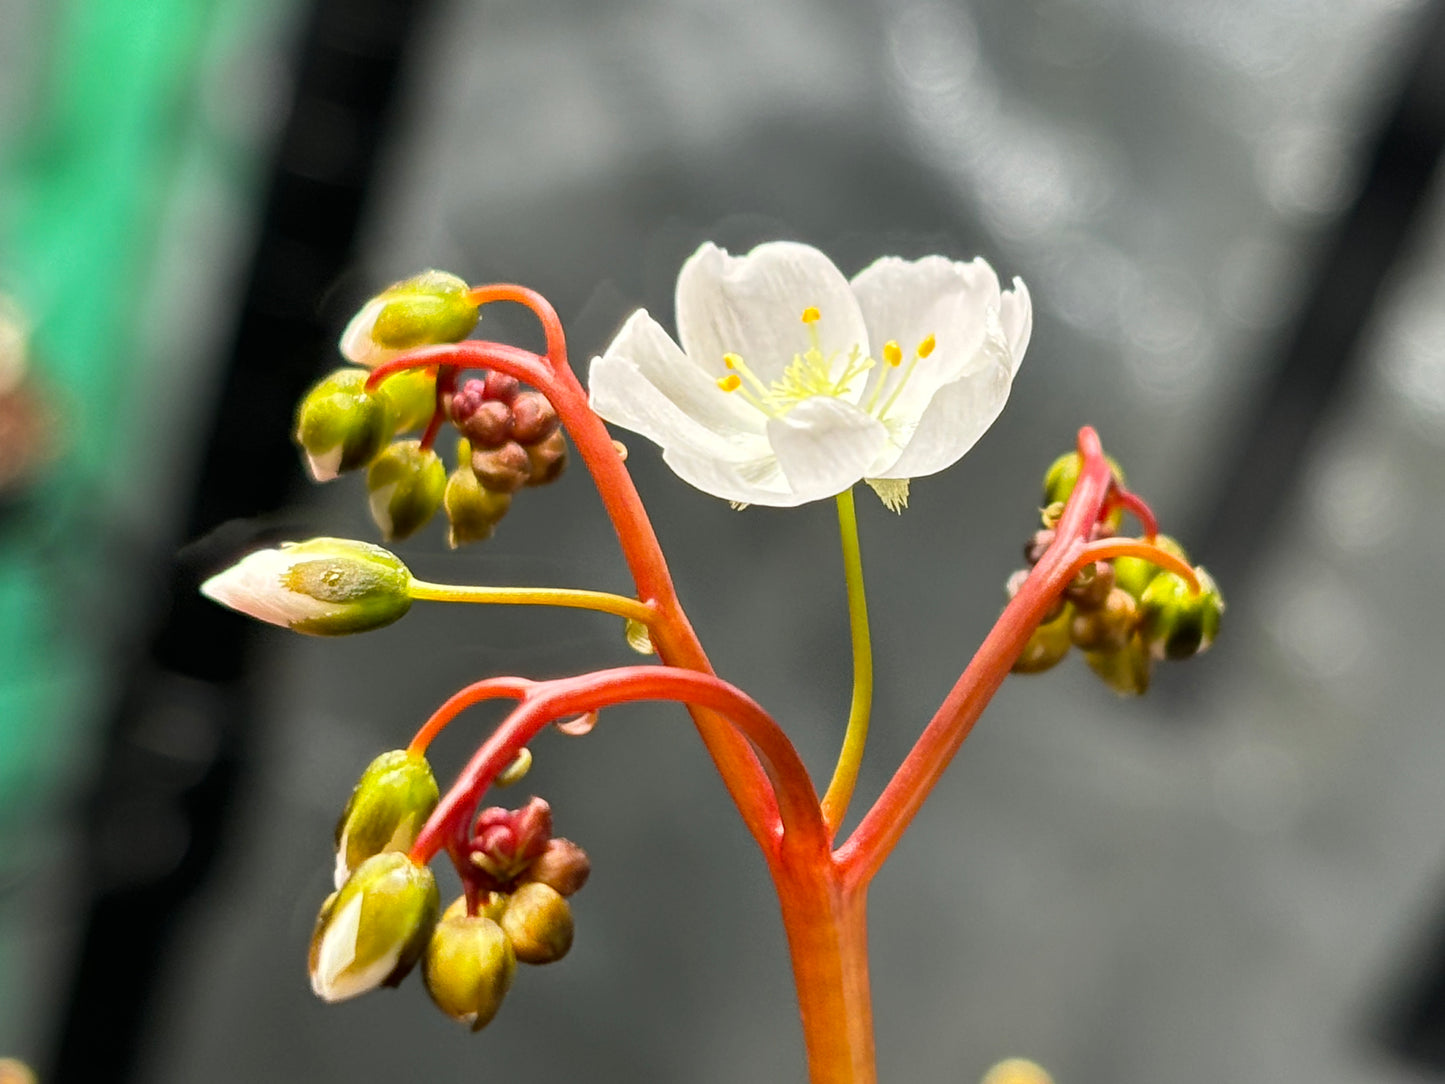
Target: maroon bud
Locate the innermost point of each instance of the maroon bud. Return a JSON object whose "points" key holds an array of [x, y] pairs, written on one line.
{"points": [[1035, 547], [502, 470], [501, 387], [1091, 587], [465, 400], [534, 828], [533, 417], [563, 865], [489, 426], [548, 459]]}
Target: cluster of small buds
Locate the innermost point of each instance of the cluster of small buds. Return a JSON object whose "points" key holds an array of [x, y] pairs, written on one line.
{"points": [[384, 916], [1123, 614], [511, 436]]}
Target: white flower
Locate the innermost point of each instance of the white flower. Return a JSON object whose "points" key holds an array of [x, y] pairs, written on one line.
{"points": [[792, 384], [325, 586]]}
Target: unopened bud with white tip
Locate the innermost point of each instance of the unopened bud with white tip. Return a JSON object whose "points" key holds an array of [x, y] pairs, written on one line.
{"points": [[323, 587]]}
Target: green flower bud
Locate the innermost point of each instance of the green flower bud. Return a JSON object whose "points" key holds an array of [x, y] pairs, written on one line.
{"points": [[1126, 670], [413, 398], [468, 968], [340, 426], [1063, 475], [406, 483], [1134, 573], [386, 811], [373, 930], [1047, 646], [538, 922], [473, 510], [324, 587], [1175, 622], [432, 307]]}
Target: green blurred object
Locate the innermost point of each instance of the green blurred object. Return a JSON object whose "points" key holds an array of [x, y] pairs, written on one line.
{"points": [[131, 161]]}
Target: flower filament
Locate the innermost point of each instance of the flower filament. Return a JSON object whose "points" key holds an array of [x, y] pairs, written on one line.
{"points": [[811, 375]]}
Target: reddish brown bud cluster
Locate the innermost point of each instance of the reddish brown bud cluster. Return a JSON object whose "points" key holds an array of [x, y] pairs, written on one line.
{"points": [[515, 435], [510, 847], [1122, 614]]}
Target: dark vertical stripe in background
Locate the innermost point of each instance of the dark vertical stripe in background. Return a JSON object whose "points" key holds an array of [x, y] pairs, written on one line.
{"points": [[176, 746]]}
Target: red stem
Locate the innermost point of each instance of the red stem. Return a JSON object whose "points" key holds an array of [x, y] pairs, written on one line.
{"points": [[878, 833], [800, 819], [672, 634], [1135, 504]]}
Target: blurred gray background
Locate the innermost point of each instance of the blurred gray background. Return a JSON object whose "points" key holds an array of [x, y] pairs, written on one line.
{"points": [[1238, 878]]}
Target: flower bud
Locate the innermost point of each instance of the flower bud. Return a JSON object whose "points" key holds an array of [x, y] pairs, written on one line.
{"points": [[562, 865], [1107, 627], [406, 483], [1047, 646], [1017, 1071], [1126, 671], [1063, 475], [538, 922], [534, 419], [502, 386], [1090, 588], [547, 459], [432, 307], [488, 424], [1038, 545], [1134, 573], [413, 397], [1174, 621], [340, 426], [468, 968], [372, 931], [504, 469], [386, 811], [473, 510], [323, 587]]}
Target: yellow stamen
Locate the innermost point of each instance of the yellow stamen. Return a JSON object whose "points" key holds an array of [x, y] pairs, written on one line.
{"points": [[892, 353], [731, 382], [811, 315], [732, 361], [926, 346]]}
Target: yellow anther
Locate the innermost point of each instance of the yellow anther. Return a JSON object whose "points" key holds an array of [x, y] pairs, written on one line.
{"points": [[732, 361], [926, 346], [892, 353], [731, 382], [811, 315]]}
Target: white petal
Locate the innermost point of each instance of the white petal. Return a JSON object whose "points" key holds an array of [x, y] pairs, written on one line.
{"points": [[907, 301], [652, 353], [622, 395], [256, 586], [753, 305], [958, 415], [1016, 314], [337, 949], [750, 481], [357, 345], [824, 446]]}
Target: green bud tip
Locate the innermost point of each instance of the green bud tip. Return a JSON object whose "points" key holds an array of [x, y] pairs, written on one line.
{"points": [[373, 930], [432, 307], [472, 509], [340, 426], [324, 587], [406, 483], [1176, 622], [468, 968], [387, 809]]}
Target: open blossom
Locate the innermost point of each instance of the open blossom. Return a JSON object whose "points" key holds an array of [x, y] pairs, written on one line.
{"points": [[792, 383]]}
